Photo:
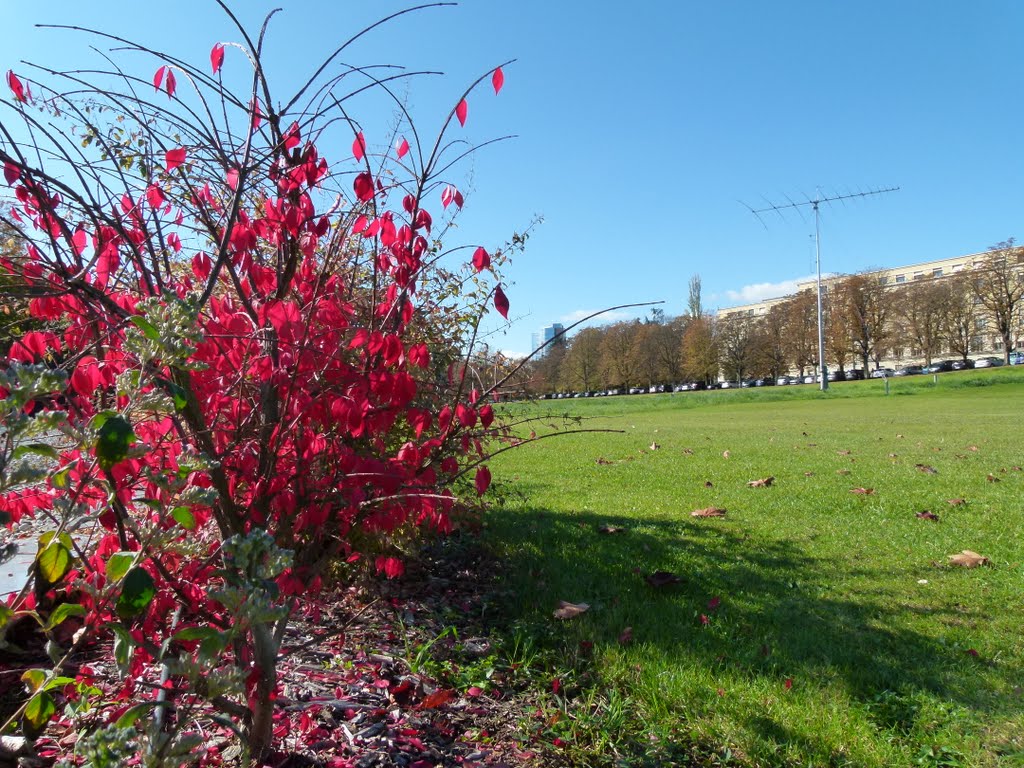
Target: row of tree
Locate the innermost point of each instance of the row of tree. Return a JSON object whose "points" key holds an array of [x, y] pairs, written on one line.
{"points": [[866, 319]]}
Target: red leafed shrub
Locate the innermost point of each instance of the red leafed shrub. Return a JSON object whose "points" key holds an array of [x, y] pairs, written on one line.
{"points": [[250, 324]]}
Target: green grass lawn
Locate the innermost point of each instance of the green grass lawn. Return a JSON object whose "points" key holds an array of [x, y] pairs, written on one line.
{"points": [[813, 625]]}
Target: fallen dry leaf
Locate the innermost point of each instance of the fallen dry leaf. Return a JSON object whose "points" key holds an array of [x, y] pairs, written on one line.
{"points": [[956, 502], [663, 579], [968, 559], [893, 455], [1015, 469], [725, 454], [842, 471], [655, 446], [611, 529], [992, 478], [928, 470], [602, 460], [708, 512], [863, 491], [570, 610], [626, 636], [808, 474], [764, 482], [899, 437], [972, 448], [437, 699], [688, 451], [844, 452], [927, 514]]}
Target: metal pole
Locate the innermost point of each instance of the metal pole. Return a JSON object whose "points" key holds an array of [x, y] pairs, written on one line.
{"points": [[822, 368]]}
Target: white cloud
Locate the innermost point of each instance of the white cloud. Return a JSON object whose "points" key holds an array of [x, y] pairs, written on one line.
{"points": [[755, 292], [607, 317]]}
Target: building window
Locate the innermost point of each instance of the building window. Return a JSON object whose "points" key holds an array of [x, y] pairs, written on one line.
{"points": [[883, 280], [901, 278], [919, 275], [937, 272], [976, 345]]}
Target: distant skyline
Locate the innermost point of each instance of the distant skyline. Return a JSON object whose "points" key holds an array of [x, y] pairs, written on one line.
{"points": [[639, 129]]}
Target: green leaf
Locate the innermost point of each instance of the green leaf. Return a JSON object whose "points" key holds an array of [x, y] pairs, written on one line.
{"points": [[130, 717], [60, 480], [118, 565], [146, 327], [58, 682], [34, 679], [63, 612], [137, 592], [39, 710], [5, 615], [195, 633], [184, 518], [39, 449], [123, 645], [54, 561], [115, 437]]}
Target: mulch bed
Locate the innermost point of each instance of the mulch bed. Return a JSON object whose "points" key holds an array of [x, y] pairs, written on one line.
{"points": [[350, 697]]}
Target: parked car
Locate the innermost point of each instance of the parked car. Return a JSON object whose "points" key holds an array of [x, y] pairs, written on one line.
{"points": [[835, 376], [1017, 358], [882, 373], [942, 366], [909, 370], [854, 374], [963, 365], [764, 382], [784, 380], [730, 385], [811, 379], [990, 362]]}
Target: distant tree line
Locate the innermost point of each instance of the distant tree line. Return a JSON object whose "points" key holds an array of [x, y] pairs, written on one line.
{"points": [[867, 319]]}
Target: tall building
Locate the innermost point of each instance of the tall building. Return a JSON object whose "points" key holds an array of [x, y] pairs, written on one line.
{"points": [[545, 335]]}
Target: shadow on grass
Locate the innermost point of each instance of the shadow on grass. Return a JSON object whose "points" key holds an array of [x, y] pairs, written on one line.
{"points": [[763, 611]]}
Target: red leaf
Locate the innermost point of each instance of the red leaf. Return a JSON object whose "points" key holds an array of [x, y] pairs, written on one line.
{"points": [[11, 173], [363, 186], [217, 57], [170, 84], [359, 147], [155, 196], [158, 78], [461, 111], [788, 684], [401, 148], [79, 239], [486, 416], [497, 79], [232, 178], [481, 259], [437, 699], [16, 86], [174, 158], [482, 481], [501, 302]]}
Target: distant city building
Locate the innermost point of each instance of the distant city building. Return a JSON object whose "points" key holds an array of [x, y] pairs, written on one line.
{"points": [[986, 342], [545, 335]]}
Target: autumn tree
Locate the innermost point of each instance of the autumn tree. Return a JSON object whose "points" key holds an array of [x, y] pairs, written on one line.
{"points": [[618, 360], [700, 350], [694, 308], [772, 355], [801, 327], [736, 346], [868, 308], [999, 286], [582, 364], [961, 316], [920, 317]]}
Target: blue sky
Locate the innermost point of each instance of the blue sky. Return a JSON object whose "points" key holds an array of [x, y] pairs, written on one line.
{"points": [[641, 126]]}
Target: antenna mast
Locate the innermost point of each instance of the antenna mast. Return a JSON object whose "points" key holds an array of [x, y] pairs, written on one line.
{"points": [[815, 203]]}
